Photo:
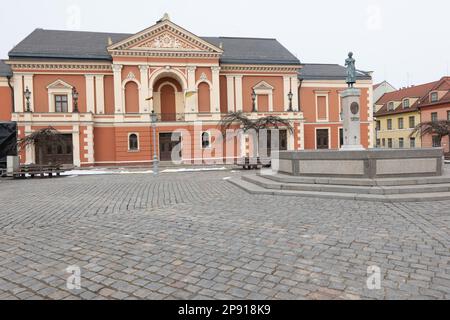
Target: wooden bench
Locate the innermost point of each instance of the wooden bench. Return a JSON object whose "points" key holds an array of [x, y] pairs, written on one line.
{"points": [[38, 170]]}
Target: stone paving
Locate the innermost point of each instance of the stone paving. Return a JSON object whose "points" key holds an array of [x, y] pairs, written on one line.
{"points": [[196, 236]]}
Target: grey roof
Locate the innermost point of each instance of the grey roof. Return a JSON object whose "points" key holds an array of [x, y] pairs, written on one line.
{"points": [[314, 71], [65, 45], [5, 70], [93, 46], [253, 51]]}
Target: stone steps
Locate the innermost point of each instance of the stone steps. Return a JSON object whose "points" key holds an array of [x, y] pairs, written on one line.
{"points": [[386, 182], [382, 190], [260, 185]]}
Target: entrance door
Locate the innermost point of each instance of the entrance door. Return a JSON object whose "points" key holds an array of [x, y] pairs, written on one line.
{"points": [[166, 146], [322, 139], [59, 151]]}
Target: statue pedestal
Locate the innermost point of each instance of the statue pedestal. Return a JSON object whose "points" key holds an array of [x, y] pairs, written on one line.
{"points": [[351, 115]]}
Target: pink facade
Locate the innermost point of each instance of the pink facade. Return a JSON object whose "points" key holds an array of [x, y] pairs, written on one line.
{"points": [[183, 78]]}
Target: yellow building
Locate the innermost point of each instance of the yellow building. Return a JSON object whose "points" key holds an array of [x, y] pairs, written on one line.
{"points": [[396, 116]]}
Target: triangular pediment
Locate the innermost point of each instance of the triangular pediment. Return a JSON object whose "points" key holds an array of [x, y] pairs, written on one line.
{"points": [[263, 86], [165, 36], [59, 84]]}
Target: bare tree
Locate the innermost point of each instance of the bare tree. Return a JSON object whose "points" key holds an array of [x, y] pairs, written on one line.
{"points": [[256, 125], [48, 135], [439, 128]]}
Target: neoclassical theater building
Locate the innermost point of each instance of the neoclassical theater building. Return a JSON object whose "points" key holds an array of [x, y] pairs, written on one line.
{"points": [[99, 90]]}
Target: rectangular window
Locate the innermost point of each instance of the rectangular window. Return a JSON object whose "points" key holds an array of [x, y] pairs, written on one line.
{"points": [[434, 97], [412, 122], [436, 142], [390, 106], [406, 103], [378, 143], [61, 103], [390, 143], [206, 140], [383, 142], [412, 142], [400, 123], [389, 124], [401, 143], [341, 137], [434, 117], [448, 115], [378, 125]]}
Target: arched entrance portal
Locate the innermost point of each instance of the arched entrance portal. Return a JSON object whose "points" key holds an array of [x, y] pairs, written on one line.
{"points": [[168, 99]]}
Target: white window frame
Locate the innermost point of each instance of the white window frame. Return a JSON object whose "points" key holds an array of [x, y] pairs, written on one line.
{"points": [[327, 106], [261, 89], [138, 142], [403, 104], [56, 88], [391, 103], [329, 136]]}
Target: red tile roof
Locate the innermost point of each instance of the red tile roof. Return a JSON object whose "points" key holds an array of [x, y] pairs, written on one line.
{"points": [[417, 92]]}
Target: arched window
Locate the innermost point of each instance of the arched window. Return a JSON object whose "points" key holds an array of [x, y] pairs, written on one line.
{"points": [[206, 140], [133, 142]]}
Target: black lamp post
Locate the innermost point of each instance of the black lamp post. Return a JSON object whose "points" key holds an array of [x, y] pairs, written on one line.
{"points": [[290, 96], [154, 120], [75, 96], [27, 95], [254, 101]]}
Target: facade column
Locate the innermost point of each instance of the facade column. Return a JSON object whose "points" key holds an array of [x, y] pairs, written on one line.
{"points": [[89, 140], [30, 149], [18, 93], [117, 69], [230, 93], [286, 89], [28, 83], [238, 88], [215, 106], [191, 101], [100, 93], [301, 135], [90, 95], [145, 106], [76, 145], [294, 88]]}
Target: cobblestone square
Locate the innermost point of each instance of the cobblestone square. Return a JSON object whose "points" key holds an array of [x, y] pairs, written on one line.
{"points": [[197, 236]]}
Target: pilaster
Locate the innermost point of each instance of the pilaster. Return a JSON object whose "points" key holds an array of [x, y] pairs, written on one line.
{"points": [[145, 106], [230, 93], [117, 69], [238, 89], [100, 93], [90, 95], [215, 106], [18, 93]]}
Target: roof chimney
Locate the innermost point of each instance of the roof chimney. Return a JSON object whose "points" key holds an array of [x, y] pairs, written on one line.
{"points": [[110, 42]]}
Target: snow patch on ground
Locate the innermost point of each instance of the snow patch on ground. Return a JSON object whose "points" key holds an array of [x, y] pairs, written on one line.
{"points": [[192, 170], [124, 171]]}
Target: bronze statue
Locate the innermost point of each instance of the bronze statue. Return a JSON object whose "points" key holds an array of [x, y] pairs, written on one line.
{"points": [[351, 70]]}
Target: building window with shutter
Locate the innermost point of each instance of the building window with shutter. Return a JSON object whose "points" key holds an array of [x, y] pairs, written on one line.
{"points": [[434, 117], [400, 123], [412, 122]]}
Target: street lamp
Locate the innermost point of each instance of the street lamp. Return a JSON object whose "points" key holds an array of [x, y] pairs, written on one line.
{"points": [[154, 120], [290, 96], [254, 101], [75, 96], [27, 95]]}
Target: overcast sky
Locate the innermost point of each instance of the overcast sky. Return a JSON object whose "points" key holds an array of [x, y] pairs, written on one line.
{"points": [[403, 41]]}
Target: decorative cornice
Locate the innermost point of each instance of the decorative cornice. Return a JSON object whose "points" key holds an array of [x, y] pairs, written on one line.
{"points": [[74, 66], [260, 68]]}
